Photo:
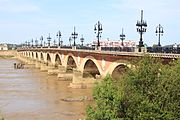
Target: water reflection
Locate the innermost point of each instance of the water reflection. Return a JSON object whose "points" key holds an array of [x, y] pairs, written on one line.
{"points": [[28, 94]]}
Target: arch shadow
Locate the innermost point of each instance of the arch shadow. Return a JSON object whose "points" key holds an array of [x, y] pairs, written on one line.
{"points": [[70, 64], [90, 69]]}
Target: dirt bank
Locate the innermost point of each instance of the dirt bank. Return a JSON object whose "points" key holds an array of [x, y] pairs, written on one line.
{"points": [[8, 53]]}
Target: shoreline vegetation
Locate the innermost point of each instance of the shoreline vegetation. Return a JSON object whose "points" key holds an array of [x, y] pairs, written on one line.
{"points": [[6, 56], [148, 92]]}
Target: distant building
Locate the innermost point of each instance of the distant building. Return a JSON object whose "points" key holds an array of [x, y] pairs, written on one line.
{"points": [[110, 43], [3, 47]]}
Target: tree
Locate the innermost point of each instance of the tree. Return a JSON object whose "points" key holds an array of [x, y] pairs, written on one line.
{"points": [[150, 91], [106, 97]]}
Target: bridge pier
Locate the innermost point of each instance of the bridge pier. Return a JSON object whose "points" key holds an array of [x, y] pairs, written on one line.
{"points": [[38, 64], [43, 67], [63, 74], [80, 82], [52, 70]]}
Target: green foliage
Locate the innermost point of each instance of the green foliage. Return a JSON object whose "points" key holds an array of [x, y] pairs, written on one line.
{"points": [[106, 98], [149, 91]]}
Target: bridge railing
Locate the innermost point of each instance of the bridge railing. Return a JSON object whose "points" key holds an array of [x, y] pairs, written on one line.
{"points": [[124, 49], [164, 55]]}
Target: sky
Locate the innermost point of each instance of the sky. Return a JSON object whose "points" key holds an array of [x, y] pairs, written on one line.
{"points": [[23, 20]]}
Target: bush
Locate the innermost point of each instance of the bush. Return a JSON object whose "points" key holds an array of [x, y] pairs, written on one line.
{"points": [[151, 91]]}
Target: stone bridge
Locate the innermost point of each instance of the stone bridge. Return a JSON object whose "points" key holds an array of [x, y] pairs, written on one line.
{"points": [[83, 67]]}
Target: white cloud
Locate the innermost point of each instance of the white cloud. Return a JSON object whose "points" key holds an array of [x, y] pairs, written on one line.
{"points": [[17, 6]]}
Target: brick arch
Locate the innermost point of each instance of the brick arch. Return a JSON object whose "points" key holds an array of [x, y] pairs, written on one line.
{"points": [[32, 55], [70, 63], [41, 56], [90, 69], [58, 60], [92, 59], [66, 59], [48, 58], [36, 55], [25, 54], [28, 54], [115, 65]]}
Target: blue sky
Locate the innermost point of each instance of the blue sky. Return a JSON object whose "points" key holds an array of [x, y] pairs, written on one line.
{"points": [[22, 20]]}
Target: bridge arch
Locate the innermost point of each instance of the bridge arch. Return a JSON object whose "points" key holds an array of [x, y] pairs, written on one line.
{"points": [[41, 56], [25, 54], [29, 54], [32, 55], [94, 63], [116, 70], [90, 69], [71, 63], [57, 60], [36, 56], [48, 59]]}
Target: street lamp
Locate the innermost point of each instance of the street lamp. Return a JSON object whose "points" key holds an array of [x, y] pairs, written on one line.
{"points": [[82, 40], [26, 43], [49, 40], [122, 37], [61, 42], [41, 39], [98, 30], [32, 43], [159, 32], [54, 42], [70, 39], [44, 43], [59, 36], [74, 35], [141, 28], [36, 42]]}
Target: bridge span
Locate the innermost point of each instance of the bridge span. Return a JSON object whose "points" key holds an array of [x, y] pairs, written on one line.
{"points": [[84, 67]]}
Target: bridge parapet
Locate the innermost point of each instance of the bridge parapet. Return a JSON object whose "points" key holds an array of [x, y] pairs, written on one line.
{"points": [[53, 50]]}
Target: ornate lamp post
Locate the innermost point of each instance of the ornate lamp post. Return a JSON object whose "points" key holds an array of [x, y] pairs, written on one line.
{"points": [[82, 40], [41, 39], [74, 36], [49, 40], [54, 42], [59, 36], [122, 37], [61, 42], [98, 30], [26, 44], [36, 42], [44, 43], [141, 28], [32, 43], [70, 39], [159, 32]]}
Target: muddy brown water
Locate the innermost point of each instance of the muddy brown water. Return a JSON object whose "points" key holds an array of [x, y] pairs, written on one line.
{"points": [[28, 94]]}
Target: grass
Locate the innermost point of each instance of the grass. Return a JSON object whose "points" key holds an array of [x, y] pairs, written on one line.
{"points": [[6, 56]]}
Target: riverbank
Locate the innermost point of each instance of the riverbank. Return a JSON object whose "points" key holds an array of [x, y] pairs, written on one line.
{"points": [[32, 94], [6, 54]]}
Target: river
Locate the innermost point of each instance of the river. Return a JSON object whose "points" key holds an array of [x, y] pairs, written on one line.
{"points": [[28, 94]]}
